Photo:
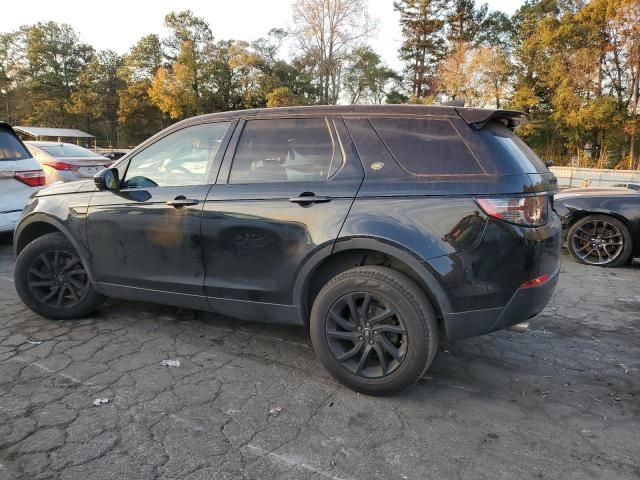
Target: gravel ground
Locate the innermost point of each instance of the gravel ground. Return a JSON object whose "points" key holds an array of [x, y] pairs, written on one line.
{"points": [[251, 401]]}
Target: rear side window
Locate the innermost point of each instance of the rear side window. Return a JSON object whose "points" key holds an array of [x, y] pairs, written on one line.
{"points": [[11, 148], [284, 150], [424, 146], [511, 149]]}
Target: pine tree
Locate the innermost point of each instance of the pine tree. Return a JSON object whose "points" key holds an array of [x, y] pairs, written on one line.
{"points": [[423, 46]]}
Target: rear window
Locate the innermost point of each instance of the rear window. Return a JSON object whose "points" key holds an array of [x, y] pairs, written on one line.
{"points": [[511, 148], [11, 148], [424, 146], [68, 151]]}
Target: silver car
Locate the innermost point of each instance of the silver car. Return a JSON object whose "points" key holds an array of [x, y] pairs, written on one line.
{"points": [[66, 162], [20, 176]]}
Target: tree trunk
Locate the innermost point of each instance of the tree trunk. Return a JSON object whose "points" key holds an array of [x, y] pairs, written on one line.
{"points": [[632, 149], [635, 94]]}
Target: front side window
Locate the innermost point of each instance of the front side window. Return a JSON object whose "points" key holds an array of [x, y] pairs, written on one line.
{"points": [[285, 150], [11, 148], [182, 158]]}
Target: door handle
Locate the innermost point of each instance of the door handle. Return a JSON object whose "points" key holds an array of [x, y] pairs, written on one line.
{"points": [[309, 199], [181, 201]]}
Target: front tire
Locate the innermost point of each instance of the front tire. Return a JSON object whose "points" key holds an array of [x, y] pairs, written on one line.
{"points": [[600, 240], [374, 330], [52, 281]]}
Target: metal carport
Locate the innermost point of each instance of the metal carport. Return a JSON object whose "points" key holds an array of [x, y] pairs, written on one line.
{"points": [[45, 133]]}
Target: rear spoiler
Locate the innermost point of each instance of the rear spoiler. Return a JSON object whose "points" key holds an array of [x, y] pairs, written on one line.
{"points": [[479, 117]]}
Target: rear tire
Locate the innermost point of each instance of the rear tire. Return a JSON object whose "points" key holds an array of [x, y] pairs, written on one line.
{"points": [[52, 281], [600, 240], [374, 330]]}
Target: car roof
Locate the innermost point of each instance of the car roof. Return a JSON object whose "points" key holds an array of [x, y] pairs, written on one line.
{"points": [[477, 117]]}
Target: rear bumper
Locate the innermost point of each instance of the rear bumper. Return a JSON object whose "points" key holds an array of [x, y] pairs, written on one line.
{"points": [[524, 304]]}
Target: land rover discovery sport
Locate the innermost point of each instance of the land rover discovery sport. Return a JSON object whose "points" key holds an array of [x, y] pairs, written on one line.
{"points": [[379, 228]]}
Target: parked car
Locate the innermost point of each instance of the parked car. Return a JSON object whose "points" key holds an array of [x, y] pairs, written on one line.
{"points": [[376, 227], [602, 225], [66, 162], [114, 155], [632, 186], [20, 176]]}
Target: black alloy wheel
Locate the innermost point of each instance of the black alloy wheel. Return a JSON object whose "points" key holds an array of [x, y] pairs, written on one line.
{"points": [[58, 279], [366, 335], [52, 280], [600, 240], [374, 330]]}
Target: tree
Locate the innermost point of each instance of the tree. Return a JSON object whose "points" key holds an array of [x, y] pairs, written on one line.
{"points": [[465, 21], [247, 70], [7, 72], [189, 47], [366, 78], [423, 43], [95, 97], [495, 70], [50, 59], [283, 97], [138, 116], [173, 93], [496, 31], [327, 30], [579, 106], [459, 80], [628, 18]]}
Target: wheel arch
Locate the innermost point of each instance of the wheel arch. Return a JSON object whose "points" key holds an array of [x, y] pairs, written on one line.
{"points": [[37, 225], [347, 254]]}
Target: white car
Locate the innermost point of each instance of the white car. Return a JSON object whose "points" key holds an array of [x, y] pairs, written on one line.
{"points": [[20, 176], [66, 162]]}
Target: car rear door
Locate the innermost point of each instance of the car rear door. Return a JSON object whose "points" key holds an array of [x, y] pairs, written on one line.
{"points": [[284, 190], [145, 237]]}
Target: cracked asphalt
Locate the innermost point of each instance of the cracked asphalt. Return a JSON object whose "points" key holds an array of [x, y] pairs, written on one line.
{"points": [[559, 401]]}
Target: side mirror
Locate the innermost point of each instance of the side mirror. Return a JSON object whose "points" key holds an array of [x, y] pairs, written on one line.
{"points": [[107, 179]]}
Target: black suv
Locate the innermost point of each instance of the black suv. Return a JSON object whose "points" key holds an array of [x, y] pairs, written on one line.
{"points": [[378, 227]]}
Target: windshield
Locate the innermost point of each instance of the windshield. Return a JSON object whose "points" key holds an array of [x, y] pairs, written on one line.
{"points": [[68, 151], [10, 147]]}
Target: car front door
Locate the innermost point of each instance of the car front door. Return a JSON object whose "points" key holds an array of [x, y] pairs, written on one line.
{"points": [[145, 237], [283, 192]]}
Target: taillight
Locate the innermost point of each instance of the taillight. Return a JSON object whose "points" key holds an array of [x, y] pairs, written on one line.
{"points": [[61, 165], [536, 281], [33, 178], [527, 211]]}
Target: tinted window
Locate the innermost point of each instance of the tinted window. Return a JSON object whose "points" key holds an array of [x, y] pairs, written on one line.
{"points": [[426, 146], [511, 148], [181, 158], [284, 150], [10, 147], [62, 150]]}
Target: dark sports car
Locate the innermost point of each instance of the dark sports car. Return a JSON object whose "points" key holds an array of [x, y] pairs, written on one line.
{"points": [[601, 225]]}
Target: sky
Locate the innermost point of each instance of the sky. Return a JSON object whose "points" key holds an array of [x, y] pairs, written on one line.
{"points": [[118, 24]]}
